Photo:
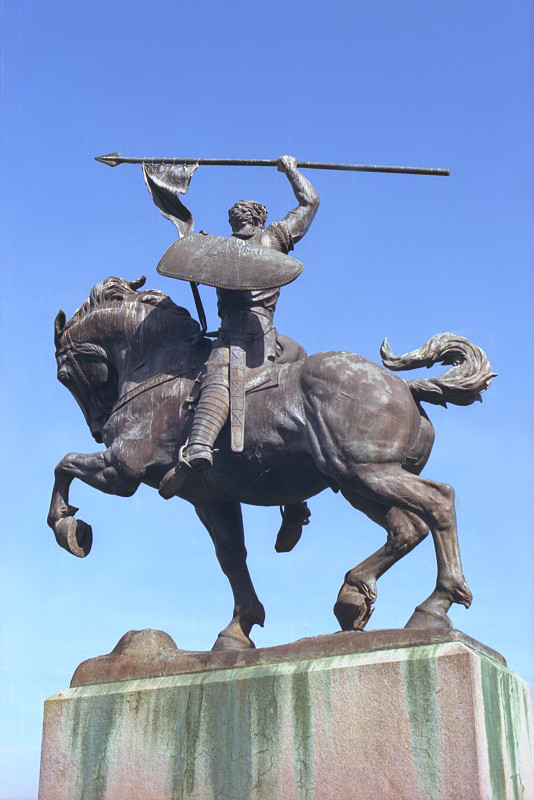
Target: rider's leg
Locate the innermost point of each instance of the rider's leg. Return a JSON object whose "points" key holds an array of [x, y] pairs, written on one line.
{"points": [[211, 411], [210, 415]]}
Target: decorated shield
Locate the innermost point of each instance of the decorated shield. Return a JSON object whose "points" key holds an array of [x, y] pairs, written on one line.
{"points": [[227, 263]]}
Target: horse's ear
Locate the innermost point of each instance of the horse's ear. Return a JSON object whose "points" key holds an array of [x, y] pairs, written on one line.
{"points": [[138, 283], [59, 324]]}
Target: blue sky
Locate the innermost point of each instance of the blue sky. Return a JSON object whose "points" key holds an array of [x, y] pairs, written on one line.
{"points": [[443, 84]]}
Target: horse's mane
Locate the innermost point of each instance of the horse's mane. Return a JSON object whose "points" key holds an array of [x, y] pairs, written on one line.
{"points": [[117, 290]]}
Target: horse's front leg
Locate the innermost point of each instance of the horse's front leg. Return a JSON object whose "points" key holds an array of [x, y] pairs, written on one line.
{"points": [[95, 469], [224, 523]]}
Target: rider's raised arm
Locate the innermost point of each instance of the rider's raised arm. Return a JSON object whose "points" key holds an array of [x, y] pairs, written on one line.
{"points": [[300, 218]]}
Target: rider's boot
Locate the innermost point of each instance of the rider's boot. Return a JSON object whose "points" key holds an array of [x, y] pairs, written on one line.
{"points": [[210, 416], [197, 455], [294, 517]]}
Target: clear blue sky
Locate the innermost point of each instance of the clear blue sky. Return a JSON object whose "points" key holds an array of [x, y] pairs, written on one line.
{"points": [[445, 84]]}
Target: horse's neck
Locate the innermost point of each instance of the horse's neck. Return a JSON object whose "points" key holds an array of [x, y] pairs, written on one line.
{"points": [[140, 344], [169, 359]]}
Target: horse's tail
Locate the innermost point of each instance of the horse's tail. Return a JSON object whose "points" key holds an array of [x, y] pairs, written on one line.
{"points": [[463, 384]]}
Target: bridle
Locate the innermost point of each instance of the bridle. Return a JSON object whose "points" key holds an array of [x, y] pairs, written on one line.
{"points": [[67, 350]]}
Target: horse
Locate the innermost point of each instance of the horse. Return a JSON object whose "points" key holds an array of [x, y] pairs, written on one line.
{"points": [[330, 420]]}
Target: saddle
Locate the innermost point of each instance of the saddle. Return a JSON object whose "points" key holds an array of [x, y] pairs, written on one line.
{"points": [[242, 381]]}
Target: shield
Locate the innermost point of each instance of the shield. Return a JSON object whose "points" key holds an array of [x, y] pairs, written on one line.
{"points": [[227, 263]]}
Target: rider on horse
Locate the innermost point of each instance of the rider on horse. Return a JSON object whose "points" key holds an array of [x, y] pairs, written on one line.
{"points": [[247, 323]]}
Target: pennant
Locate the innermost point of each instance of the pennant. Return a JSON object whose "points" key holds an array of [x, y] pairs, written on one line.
{"points": [[166, 184]]}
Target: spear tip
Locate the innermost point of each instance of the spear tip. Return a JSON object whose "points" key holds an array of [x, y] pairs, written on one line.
{"points": [[110, 159]]}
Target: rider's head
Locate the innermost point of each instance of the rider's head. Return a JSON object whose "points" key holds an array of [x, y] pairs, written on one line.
{"points": [[245, 214]]}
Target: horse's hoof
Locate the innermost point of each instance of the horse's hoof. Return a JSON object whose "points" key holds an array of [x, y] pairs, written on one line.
{"points": [[294, 517], [423, 619], [288, 536], [75, 536], [232, 641], [352, 609]]}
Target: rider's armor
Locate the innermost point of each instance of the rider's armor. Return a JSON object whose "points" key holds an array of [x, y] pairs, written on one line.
{"points": [[247, 322]]}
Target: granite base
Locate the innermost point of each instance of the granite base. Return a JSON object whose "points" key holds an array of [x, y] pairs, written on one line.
{"points": [[439, 721]]}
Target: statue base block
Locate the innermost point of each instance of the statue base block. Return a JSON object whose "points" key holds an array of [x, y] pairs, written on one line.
{"points": [[407, 721]]}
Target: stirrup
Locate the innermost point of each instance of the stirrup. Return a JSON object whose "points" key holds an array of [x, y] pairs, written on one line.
{"points": [[175, 477], [200, 459]]}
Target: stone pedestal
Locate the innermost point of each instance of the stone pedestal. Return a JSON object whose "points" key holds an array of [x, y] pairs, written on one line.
{"points": [[405, 715]]}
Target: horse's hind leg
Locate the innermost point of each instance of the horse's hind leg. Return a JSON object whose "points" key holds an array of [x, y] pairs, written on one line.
{"points": [[354, 604], [389, 484], [224, 523]]}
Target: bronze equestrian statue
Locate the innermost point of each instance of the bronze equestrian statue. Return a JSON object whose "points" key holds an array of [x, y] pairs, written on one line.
{"points": [[331, 420], [157, 392]]}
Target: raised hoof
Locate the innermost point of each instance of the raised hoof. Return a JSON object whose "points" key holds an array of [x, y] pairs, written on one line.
{"points": [[75, 536], [232, 641], [288, 536], [294, 517], [423, 619], [352, 609]]}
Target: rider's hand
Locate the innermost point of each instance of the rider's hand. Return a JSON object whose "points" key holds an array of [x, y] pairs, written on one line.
{"points": [[287, 164]]}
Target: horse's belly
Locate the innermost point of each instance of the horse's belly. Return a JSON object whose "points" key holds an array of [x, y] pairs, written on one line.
{"points": [[270, 481]]}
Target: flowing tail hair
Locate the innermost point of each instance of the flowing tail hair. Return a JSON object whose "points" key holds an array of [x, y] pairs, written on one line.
{"points": [[461, 385]]}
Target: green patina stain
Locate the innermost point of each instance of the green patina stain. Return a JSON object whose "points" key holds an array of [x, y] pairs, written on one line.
{"points": [[267, 712], [491, 697], [94, 741], [75, 719], [527, 709], [506, 718], [421, 686], [231, 736], [303, 751], [512, 724], [324, 691], [169, 718], [191, 729], [227, 726]]}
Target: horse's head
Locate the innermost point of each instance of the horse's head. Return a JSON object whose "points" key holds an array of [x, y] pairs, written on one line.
{"points": [[111, 338], [84, 368]]}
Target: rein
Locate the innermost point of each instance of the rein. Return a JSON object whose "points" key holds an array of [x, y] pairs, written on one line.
{"points": [[68, 350], [150, 383]]}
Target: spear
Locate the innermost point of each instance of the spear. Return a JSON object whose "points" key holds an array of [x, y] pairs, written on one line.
{"points": [[114, 159]]}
